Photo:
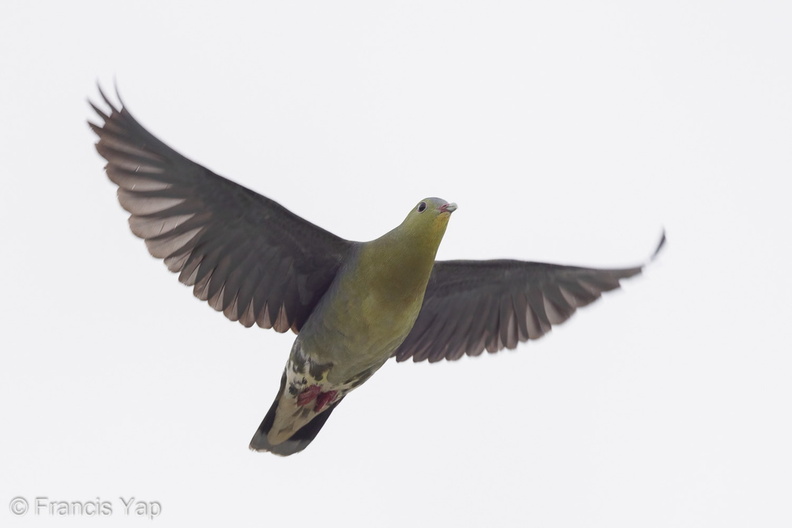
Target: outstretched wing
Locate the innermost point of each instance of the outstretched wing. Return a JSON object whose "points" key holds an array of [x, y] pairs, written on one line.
{"points": [[476, 305], [245, 254]]}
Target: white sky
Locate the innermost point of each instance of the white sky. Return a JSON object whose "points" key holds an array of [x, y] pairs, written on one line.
{"points": [[568, 132]]}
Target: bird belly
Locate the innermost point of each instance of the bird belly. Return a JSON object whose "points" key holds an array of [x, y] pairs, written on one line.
{"points": [[351, 334], [360, 336]]}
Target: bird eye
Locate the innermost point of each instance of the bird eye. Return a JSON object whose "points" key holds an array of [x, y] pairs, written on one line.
{"points": [[422, 207]]}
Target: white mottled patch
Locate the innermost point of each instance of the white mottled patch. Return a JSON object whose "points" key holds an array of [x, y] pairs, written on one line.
{"points": [[291, 416]]}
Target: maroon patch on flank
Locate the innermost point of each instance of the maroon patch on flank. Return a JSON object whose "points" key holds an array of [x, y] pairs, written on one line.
{"points": [[308, 395], [323, 399]]}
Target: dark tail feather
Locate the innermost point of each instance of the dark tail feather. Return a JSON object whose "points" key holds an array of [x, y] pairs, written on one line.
{"points": [[299, 440]]}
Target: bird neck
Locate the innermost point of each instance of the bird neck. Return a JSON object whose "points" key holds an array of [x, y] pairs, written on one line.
{"points": [[400, 262]]}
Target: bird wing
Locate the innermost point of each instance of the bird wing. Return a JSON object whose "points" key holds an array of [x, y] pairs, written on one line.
{"points": [[476, 305], [245, 254]]}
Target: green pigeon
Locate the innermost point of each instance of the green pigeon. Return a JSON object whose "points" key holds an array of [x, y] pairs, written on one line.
{"points": [[353, 305]]}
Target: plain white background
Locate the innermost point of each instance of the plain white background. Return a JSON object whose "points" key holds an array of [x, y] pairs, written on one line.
{"points": [[569, 132]]}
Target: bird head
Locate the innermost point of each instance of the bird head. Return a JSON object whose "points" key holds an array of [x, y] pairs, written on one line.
{"points": [[429, 216], [426, 223], [421, 232]]}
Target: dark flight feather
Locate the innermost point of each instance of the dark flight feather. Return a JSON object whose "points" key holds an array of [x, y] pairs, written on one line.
{"points": [[245, 254], [476, 305]]}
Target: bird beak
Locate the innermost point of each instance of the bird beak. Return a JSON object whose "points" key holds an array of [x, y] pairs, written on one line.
{"points": [[448, 208]]}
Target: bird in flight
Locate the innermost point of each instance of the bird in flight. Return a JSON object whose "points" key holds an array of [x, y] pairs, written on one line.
{"points": [[352, 305]]}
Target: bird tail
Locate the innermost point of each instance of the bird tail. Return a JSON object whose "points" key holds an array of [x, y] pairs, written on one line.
{"points": [[297, 441]]}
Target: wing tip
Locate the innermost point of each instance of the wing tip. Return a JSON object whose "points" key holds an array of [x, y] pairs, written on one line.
{"points": [[113, 108], [660, 245]]}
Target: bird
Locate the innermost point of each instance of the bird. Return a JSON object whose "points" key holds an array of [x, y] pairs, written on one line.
{"points": [[352, 305]]}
